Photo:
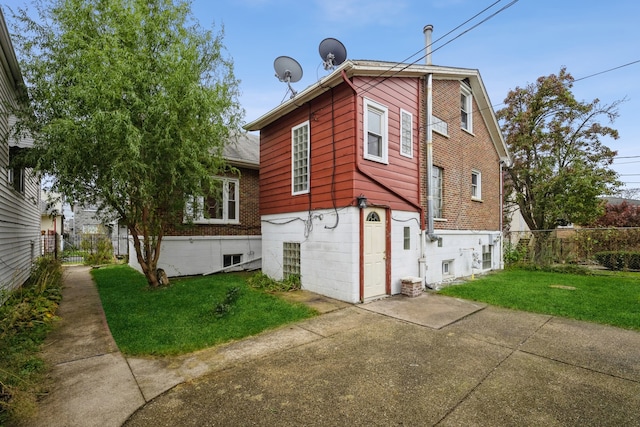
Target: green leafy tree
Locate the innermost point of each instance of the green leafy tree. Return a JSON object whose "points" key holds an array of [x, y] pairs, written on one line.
{"points": [[131, 102], [560, 165]]}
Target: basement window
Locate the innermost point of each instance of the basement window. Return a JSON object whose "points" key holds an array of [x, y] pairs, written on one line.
{"points": [[487, 250], [233, 259], [290, 259]]}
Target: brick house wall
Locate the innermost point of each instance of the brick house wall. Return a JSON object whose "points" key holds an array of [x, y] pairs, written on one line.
{"points": [[458, 154]]}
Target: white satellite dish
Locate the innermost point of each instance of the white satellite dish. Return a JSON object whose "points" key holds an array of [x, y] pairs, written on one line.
{"points": [[332, 52], [288, 70]]}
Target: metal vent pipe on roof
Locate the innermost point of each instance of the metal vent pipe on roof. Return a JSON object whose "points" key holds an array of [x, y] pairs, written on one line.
{"points": [[427, 30]]}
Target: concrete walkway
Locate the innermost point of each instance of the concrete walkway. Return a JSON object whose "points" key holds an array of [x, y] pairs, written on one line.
{"points": [[430, 360]]}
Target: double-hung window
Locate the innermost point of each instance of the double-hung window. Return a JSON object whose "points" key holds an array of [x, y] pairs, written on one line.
{"points": [[406, 133], [436, 192], [466, 107], [300, 158], [220, 206], [476, 185], [375, 131]]}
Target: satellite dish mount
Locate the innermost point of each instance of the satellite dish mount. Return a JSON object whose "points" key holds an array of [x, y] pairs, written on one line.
{"points": [[332, 52], [288, 70]]}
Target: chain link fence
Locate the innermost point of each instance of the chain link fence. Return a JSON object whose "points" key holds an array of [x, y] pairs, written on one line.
{"points": [[582, 246]]}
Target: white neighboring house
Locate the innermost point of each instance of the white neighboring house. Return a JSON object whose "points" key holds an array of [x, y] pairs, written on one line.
{"points": [[19, 187]]}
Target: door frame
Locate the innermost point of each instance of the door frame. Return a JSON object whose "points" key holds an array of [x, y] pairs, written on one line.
{"points": [[387, 239]]}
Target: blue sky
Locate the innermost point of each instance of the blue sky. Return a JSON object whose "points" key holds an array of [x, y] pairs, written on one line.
{"points": [[529, 39]]}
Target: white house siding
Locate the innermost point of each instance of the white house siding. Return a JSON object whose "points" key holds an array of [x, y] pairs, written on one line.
{"points": [[19, 213], [458, 248], [404, 262], [329, 257], [196, 255]]}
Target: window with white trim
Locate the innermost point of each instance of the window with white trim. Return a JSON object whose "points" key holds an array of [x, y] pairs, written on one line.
{"points": [[15, 174], [447, 269], [406, 133], [375, 131], [440, 126], [220, 206], [476, 185], [300, 158], [436, 192], [231, 259], [466, 106], [487, 250]]}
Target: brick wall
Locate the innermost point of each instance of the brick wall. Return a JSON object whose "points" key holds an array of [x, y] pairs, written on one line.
{"points": [[459, 154], [249, 212]]}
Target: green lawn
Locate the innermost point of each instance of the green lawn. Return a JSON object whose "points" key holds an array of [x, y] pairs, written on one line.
{"points": [[612, 299], [182, 317]]}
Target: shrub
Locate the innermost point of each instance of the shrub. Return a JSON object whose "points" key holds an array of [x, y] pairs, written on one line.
{"points": [[98, 248], [25, 319], [224, 307], [619, 260], [263, 282]]}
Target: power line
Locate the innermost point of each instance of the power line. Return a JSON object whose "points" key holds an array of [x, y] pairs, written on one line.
{"points": [[376, 83], [606, 71]]}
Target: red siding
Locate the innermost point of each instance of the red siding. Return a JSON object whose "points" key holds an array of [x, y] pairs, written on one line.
{"points": [[337, 129]]}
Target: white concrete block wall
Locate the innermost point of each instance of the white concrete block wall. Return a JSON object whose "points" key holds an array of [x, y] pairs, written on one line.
{"points": [[404, 262], [329, 257], [458, 247], [194, 255]]}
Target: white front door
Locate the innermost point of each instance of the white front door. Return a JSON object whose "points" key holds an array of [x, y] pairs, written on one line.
{"points": [[375, 257]]}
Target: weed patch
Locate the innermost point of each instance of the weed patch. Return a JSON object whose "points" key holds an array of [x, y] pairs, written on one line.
{"points": [[26, 317]]}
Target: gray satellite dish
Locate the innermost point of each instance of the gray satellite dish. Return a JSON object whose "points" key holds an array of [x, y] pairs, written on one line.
{"points": [[288, 70], [332, 52]]}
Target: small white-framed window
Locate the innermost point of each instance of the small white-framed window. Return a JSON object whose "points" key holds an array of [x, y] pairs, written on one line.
{"points": [[437, 180], [407, 238], [487, 251], [300, 153], [375, 131], [447, 269], [466, 107], [406, 133], [220, 206], [231, 259], [476, 185], [440, 126]]}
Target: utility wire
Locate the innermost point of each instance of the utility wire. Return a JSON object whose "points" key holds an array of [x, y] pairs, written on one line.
{"points": [[376, 83], [606, 71]]}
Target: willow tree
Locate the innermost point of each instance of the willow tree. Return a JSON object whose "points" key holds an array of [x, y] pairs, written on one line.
{"points": [[131, 103], [560, 163]]}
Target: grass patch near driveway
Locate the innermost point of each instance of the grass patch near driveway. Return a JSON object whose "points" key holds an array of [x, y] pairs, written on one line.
{"points": [[188, 315], [602, 298]]}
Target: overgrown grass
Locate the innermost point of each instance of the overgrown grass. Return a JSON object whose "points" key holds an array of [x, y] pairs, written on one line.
{"points": [[25, 319], [190, 314], [612, 299]]}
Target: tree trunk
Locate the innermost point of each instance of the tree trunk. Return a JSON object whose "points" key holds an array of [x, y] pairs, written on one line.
{"points": [[148, 263]]}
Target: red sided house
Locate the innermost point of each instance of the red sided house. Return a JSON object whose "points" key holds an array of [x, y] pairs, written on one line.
{"points": [[346, 169], [225, 234]]}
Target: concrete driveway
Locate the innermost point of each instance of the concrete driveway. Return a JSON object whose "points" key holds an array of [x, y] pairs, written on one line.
{"points": [[430, 360], [423, 361]]}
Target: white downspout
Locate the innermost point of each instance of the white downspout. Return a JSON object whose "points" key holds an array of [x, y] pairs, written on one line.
{"points": [[429, 136], [429, 232]]}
